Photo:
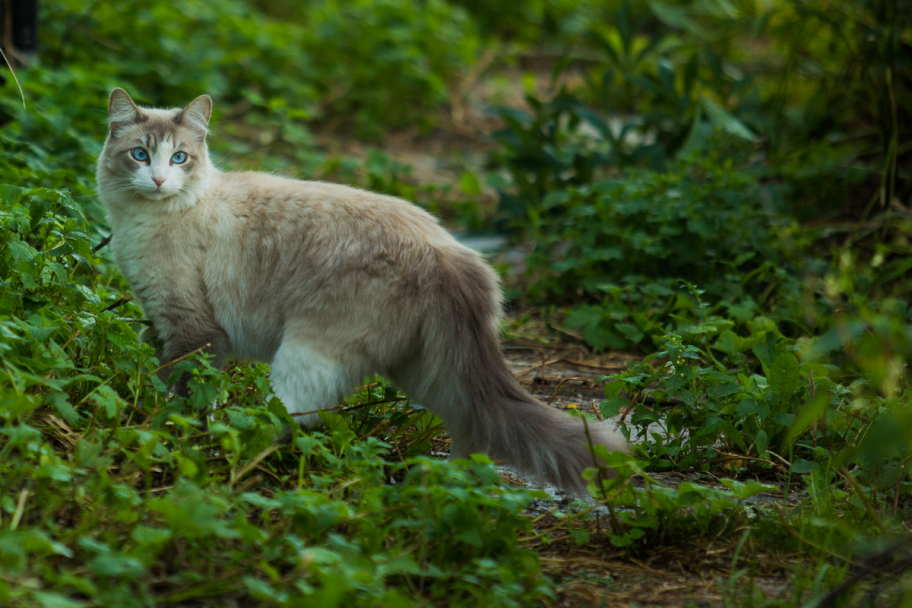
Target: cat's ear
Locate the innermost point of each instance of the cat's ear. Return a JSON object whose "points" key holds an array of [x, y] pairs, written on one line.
{"points": [[122, 112], [196, 115]]}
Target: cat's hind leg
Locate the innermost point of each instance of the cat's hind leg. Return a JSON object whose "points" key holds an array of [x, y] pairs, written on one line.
{"points": [[307, 381]]}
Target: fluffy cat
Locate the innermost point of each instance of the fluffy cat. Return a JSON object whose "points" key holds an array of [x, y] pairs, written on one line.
{"points": [[329, 284]]}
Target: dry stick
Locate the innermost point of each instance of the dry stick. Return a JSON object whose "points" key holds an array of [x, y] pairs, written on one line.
{"points": [[427, 433], [541, 372], [236, 476], [73, 337], [136, 409], [13, 72], [179, 359], [268, 472], [373, 430], [102, 244], [20, 508], [737, 457], [349, 408], [118, 303], [628, 410], [531, 367], [784, 461], [598, 414], [557, 390], [558, 525], [872, 512], [592, 365]]}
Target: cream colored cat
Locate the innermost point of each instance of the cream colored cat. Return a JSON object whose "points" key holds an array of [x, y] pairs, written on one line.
{"points": [[328, 284]]}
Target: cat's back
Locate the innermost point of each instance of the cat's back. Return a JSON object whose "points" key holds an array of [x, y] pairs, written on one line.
{"points": [[268, 205], [315, 243]]}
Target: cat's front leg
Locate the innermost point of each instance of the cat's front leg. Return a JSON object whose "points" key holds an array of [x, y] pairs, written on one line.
{"points": [[308, 380], [179, 341]]}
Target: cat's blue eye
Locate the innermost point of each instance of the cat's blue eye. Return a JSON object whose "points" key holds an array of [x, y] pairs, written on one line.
{"points": [[139, 154], [178, 157]]}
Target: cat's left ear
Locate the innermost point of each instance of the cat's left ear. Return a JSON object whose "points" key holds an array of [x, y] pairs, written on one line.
{"points": [[122, 112], [197, 113]]}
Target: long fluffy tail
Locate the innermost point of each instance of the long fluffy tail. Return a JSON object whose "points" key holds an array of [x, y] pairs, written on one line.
{"points": [[466, 382]]}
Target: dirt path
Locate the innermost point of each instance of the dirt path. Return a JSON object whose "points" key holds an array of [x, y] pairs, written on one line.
{"points": [[687, 571]]}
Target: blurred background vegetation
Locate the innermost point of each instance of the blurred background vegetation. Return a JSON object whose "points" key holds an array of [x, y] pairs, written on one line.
{"points": [[721, 186]]}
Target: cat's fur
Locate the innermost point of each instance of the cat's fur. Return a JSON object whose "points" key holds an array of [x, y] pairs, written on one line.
{"points": [[329, 284]]}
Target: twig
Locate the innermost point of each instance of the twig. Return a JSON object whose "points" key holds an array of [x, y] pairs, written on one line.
{"points": [[544, 364], [179, 359], [20, 508], [872, 512], [628, 410], [739, 457], [593, 365], [784, 461], [531, 367], [349, 408], [236, 476], [557, 390], [118, 303], [13, 72], [102, 244], [67, 343]]}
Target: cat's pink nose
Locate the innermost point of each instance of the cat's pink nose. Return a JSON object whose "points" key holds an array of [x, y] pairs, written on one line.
{"points": [[158, 181]]}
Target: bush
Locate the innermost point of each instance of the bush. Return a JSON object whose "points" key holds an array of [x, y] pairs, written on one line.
{"points": [[387, 63]]}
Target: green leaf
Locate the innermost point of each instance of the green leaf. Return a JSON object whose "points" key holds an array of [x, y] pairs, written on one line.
{"points": [[469, 184], [815, 409], [802, 466], [590, 319], [723, 389], [721, 118], [750, 406], [48, 599], [613, 407], [107, 399], [580, 536], [145, 535], [64, 408], [727, 342], [676, 17], [783, 379]]}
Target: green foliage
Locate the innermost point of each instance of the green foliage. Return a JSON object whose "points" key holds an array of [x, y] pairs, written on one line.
{"points": [[747, 407], [374, 55], [630, 241], [335, 61], [640, 515], [224, 50], [725, 182], [111, 494], [723, 185], [529, 21]]}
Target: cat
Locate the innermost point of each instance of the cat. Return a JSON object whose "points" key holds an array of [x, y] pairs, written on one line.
{"points": [[328, 284]]}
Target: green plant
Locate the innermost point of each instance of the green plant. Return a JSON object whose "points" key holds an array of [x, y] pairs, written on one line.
{"points": [[113, 494], [376, 55]]}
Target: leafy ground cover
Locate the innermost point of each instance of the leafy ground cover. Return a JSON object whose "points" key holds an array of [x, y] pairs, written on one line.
{"points": [[718, 190]]}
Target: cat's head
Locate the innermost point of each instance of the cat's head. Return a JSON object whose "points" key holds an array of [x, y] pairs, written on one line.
{"points": [[157, 155]]}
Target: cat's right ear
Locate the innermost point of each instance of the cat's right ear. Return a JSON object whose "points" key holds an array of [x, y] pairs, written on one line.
{"points": [[197, 114], [122, 112]]}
